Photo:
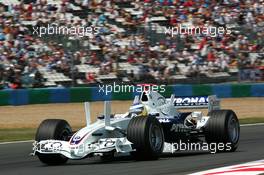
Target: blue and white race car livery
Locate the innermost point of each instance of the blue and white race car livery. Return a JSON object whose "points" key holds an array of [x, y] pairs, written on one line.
{"points": [[145, 131]]}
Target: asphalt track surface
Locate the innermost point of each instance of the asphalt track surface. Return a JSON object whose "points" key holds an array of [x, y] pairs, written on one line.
{"points": [[15, 159]]}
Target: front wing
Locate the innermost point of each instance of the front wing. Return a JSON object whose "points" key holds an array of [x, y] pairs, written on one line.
{"points": [[72, 151]]}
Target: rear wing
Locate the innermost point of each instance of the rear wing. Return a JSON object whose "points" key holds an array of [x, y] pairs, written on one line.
{"points": [[196, 102]]}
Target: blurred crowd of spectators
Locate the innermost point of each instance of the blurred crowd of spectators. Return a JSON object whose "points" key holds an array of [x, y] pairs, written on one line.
{"points": [[23, 55]]}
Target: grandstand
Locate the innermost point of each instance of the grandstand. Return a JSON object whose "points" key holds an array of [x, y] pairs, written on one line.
{"points": [[131, 44]]}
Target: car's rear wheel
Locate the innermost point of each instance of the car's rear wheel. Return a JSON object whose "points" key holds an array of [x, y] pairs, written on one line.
{"points": [[223, 127], [146, 134], [53, 129]]}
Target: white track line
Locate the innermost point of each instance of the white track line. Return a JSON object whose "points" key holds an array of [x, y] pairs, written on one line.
{"points": [[26, 141], [253, 124]]}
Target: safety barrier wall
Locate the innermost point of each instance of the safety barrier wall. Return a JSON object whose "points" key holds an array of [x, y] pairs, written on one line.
{"points": [[81, 94]]}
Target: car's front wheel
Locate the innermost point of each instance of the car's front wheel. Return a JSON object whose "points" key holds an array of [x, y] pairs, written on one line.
{"points": [[53, 129], [146, 134]]}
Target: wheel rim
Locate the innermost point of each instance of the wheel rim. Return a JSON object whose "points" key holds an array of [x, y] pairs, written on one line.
{"points": [[156, 137], [233, 129]]}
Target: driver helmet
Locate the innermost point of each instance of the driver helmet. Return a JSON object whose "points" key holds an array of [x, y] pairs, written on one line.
{"points": [[138, 109]]}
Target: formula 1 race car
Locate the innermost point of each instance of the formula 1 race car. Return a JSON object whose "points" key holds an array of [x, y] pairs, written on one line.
{"points": [[145, 131]]}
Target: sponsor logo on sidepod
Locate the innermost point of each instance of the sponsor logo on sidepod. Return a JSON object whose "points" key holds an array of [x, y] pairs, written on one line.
{"points": [[190, 101]]}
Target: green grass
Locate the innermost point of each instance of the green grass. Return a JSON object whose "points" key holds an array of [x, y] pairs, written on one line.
{"points": [[19, 134], [251, 120]]}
